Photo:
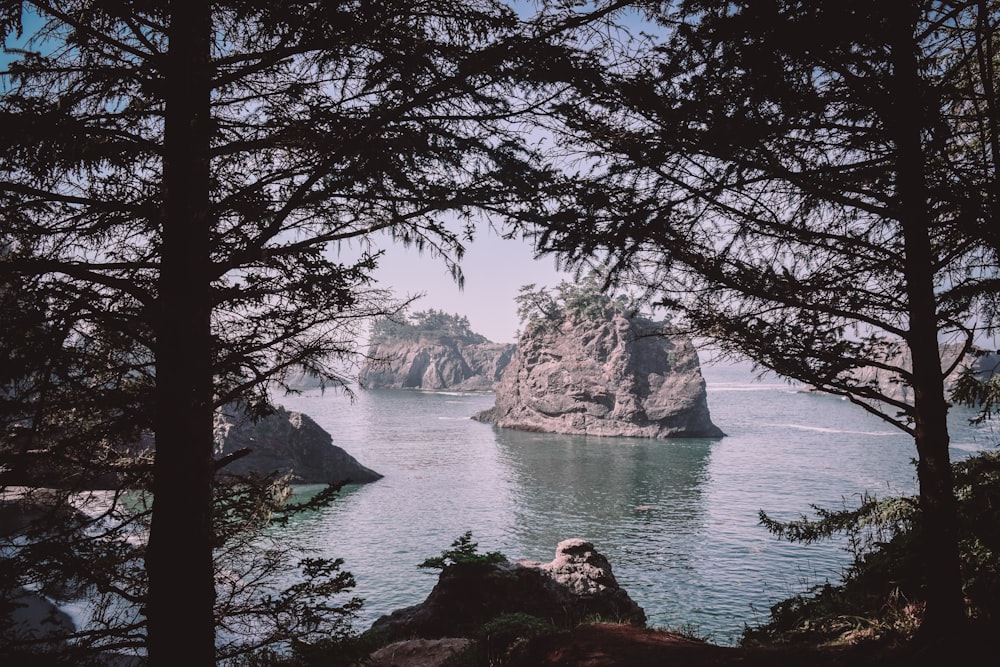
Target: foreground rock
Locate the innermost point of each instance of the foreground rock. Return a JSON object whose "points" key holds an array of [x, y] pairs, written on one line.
{"points": [[34, 622], [609, 376], [576, 585], [285, 443], [433, 351], [417, 653]]}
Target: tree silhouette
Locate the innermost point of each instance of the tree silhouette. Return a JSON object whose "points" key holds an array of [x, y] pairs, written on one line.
{"points": [[811, 185], [176, 179]]}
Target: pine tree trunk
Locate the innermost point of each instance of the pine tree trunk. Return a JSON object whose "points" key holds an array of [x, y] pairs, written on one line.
{"points": [[939, 546], [181, 628]]}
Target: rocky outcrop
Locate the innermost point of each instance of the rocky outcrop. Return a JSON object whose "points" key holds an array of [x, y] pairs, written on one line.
{"points": [[417, 653], [30, 618], [577, 584], [436, 363], [281, 443], [285, 443], [896, 354], [615, 376]]}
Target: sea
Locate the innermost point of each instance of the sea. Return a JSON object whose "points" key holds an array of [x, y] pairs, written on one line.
{"points": [[678, 519]]}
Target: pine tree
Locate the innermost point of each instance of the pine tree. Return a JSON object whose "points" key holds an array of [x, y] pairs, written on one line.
{"points": [[176, 178], [812, 185]]}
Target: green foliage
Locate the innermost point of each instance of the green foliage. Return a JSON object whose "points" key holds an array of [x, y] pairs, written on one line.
{"points": [[464, 551], [586, 299], [430, 324], [254, 613], [342, 648], [499, 635], [497, 639], [883, 589], [978, 390]]}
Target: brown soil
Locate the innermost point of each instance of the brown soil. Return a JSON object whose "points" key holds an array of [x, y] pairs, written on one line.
{"points": [[603, 645]]}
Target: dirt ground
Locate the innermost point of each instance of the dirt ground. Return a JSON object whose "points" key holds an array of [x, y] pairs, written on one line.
{"points": [[603, 645]]}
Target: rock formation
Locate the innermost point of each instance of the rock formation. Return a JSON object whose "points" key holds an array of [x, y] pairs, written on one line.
{"points": [[434, 351], [285, 443], [896, 354], [612, 375], [577, 584], [417, 653]]}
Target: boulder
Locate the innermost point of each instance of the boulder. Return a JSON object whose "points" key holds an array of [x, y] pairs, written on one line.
{"points": [[417, 653], [610, 376], [576, 585], [285, 443]]}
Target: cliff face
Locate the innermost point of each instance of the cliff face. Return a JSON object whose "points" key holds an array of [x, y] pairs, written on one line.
{"points": [[436, 362], [610, 377]]}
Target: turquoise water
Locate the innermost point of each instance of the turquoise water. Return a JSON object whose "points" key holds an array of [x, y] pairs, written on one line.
{"points": [[678, 519]]}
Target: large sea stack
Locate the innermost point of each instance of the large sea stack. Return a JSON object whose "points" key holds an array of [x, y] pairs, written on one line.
{"points": [[434, 351], [594, 368]]}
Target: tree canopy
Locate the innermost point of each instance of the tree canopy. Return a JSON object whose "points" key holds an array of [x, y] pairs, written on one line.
{"points": [[193, 198], [583, 299], [428, 323]]}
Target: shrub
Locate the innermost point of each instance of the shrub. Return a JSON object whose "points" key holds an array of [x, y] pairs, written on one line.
{"points": [[882, 591], [464, 551]]}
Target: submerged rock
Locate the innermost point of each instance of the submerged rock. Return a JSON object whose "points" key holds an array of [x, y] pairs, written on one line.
{"points": [[611, 376], [576, 585]]}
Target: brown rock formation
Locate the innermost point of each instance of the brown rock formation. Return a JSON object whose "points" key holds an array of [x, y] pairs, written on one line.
{"points": [[434, 351]]}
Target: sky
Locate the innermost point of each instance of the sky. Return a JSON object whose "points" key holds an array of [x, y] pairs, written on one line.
{"points": [[494, 270]]}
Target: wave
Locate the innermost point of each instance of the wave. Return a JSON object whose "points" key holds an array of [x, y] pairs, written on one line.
{"points": [[822, 429], [781, 388]]}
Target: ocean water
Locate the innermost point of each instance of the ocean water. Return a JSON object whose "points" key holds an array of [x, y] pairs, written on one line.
{"points": [[678, 519]]}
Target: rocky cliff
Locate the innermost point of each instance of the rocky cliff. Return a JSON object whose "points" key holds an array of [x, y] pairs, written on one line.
{"points": [[433, 352], [896, 355], [285, 443], [611, 375]]}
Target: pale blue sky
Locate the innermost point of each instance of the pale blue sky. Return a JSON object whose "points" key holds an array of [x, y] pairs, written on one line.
{"points": [[494, 270]]}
